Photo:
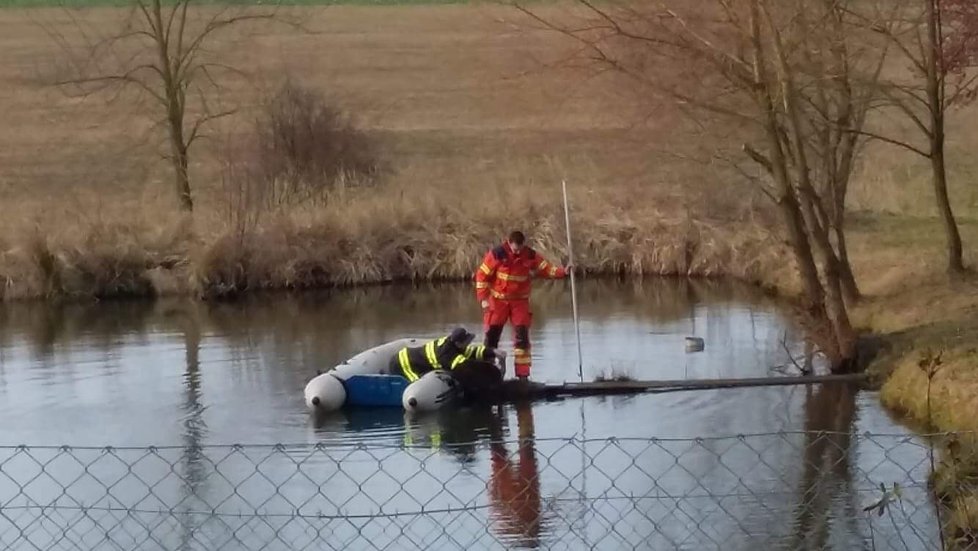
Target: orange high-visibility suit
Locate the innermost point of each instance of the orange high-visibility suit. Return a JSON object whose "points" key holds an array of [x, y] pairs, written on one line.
{"points": [[504, 279], [514, 491]]}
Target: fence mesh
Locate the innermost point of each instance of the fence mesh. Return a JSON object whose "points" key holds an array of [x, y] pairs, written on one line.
{"points": [[803, 490]]}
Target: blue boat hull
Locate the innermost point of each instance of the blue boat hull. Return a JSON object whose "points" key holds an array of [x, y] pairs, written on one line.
{"points": [[375, 390]]}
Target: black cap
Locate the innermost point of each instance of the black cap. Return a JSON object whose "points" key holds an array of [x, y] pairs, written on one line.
{"points": [[461, 337]]}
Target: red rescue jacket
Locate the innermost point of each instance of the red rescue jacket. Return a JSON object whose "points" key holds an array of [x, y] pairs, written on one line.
{"points": [[505, 275]]}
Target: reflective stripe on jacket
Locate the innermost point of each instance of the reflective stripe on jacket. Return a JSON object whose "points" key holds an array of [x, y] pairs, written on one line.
{"points": [[505, 275], [437, 354]]}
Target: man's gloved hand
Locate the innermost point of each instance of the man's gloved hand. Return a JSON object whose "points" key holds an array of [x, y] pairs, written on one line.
{"points": [[485, 304]]}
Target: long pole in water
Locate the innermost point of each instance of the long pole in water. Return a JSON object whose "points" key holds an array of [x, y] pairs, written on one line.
{"points": [[570, 253]]}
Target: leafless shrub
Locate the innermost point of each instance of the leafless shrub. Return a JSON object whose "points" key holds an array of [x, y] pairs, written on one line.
{"points": [[300, 149]]}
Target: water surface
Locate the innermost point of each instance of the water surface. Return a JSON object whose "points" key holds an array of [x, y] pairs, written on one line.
{"points": [[200, 376]]}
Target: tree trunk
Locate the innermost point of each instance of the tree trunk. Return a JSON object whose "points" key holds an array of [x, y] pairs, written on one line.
{"points": [[851, 113], [954, 262], [791, 215], [840, 188], [850, 289], [182, 179], [179, 157], [936, 99], [843, 352], [835, 307], [787, 201], [174, 96], [816, 220]]}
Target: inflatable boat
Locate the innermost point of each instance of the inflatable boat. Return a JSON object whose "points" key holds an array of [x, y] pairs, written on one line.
{"points": [[362, 381]]}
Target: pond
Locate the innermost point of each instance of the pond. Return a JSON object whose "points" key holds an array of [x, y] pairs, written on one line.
{"points": [[174, 385]]}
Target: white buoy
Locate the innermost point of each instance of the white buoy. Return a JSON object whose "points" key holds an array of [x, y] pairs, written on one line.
{"points": [[325, 393], [431, 392], [694, 344]]}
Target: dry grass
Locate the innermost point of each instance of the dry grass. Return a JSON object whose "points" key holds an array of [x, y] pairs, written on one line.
{"points": [[953, 389], [951, 407], [476, 131], [379, 235], [919, 313], [614, 376]]}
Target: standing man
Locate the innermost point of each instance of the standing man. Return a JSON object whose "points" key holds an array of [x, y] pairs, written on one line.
{"points": [[502, 285]]}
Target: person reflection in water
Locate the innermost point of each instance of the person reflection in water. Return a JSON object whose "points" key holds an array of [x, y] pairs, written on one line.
{"points": [[514, 489]]}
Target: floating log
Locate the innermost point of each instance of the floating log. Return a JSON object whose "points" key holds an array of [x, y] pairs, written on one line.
{"points": [[515, 389]]}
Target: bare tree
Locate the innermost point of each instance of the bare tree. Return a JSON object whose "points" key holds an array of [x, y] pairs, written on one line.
{"points": [[939, 41], [161, 51], [791, 76], [834, 107]]}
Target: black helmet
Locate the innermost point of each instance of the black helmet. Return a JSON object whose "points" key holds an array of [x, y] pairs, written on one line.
{"points": [[461, 337]]}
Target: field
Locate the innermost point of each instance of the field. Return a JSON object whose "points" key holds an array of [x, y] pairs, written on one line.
{"points": [[476, 129], [125, 3], [478, 125]]}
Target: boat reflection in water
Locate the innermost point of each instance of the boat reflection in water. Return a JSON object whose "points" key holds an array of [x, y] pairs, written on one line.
{"points": [[512, 480]]}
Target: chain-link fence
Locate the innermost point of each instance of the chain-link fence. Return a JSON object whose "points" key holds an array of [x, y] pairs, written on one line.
{"points": [[791, 490]]}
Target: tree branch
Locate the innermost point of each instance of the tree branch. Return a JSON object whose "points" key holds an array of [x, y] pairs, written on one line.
{"points": [[890, 141], [215, 25], [964, 88], [195, 129], [600, 55], [907, 110], [722, 58], [129, 77], [887, 32]]}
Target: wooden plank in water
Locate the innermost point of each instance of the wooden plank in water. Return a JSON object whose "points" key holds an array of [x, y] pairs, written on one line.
{"points": [[517, 389]]}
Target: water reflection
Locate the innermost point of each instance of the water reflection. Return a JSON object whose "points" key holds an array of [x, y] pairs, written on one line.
{"points": [[369, 314], [194, 470], [823, 511], [513, 478], [254, 356], [826, 479], [514, 485], [194, 374]]}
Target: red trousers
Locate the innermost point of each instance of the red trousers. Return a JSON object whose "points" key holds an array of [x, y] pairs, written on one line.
{"points": [[518, 313]]}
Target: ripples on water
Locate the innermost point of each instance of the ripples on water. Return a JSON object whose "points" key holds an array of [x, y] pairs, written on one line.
{"points": [[183, 373]]}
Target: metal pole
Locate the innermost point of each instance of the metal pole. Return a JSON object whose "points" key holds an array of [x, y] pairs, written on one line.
{"points": [[570, 253]]}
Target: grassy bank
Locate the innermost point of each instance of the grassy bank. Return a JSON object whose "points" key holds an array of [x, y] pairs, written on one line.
{"points": [[928, 367], [378, 235], [931, 378]]}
